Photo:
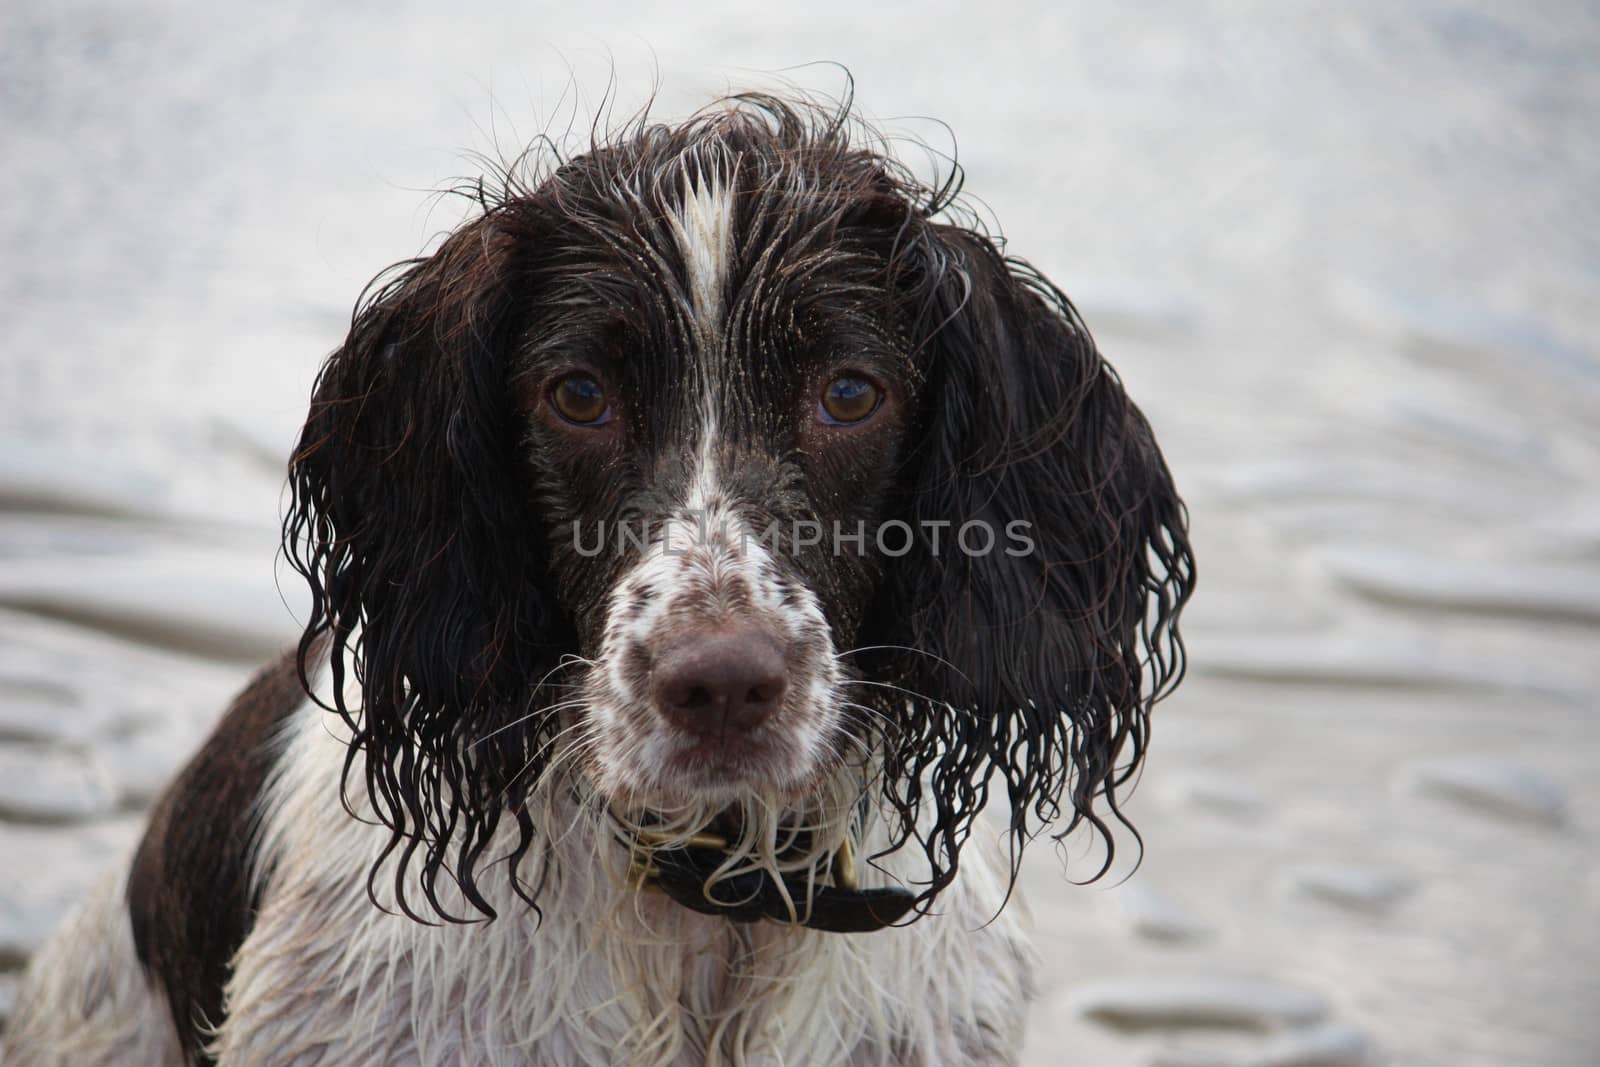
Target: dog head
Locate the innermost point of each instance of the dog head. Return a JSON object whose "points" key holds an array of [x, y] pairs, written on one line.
{"points": [[714, 465]]}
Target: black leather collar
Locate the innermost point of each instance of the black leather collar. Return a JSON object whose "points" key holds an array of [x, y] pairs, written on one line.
{"points": [[681, 872]]}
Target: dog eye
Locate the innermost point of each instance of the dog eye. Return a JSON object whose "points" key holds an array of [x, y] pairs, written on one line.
{"points": [[580, 399], [847, 399]]}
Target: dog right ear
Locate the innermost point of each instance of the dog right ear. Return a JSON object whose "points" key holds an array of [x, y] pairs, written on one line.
{"points": [[412, 523], [1040, 658]]}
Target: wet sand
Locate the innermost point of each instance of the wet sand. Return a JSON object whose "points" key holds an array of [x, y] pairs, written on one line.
{"points": [[1347, 264]]}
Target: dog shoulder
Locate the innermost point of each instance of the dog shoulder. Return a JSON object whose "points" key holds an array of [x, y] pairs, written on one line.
{"points": [[191, 896]]}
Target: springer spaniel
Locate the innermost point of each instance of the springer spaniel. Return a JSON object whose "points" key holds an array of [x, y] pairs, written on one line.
{"points": [[695, 539]]}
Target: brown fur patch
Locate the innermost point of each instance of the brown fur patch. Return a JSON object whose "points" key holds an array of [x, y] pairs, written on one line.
{"points": [[190, 899]]}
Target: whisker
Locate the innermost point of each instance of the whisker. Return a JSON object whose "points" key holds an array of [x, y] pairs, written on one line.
{"points": [[906, 648], [547, 710]]}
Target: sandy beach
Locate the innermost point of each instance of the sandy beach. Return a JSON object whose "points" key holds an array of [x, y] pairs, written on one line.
{"points": [[1347, 262]]}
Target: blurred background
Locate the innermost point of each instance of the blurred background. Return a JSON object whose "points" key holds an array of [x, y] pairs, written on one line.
{"points": [[1346, 260]]}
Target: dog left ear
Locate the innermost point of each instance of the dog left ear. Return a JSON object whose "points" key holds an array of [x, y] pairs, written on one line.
{"points": [[1051, 645]]}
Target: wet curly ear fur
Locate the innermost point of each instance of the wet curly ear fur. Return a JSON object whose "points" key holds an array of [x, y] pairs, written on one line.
{"points": [[414, 527], [1039, 667]]}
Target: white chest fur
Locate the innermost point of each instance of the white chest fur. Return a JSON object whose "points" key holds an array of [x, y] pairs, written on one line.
{"points": [[610, 975]]}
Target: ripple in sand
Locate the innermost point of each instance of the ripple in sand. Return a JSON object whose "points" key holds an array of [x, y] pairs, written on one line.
{"points": [[41, 784], [1491, 786], [1216, 795], [1154, 916], [1330, 1045], [218, 605], [142, 761], [1352, 887], [1498, 588], [1166, 1003], [8, 996], [39, 710], [1368, 660], [35, 477]]}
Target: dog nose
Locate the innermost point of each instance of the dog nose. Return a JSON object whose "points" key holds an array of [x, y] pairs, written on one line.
{"points": [[713, 684]]}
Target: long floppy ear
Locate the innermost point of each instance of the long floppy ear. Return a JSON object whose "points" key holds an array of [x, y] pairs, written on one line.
{"points": [[1039, 659], [413, 524]]}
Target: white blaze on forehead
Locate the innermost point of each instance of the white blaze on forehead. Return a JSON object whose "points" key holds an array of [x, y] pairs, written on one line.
{"points": [[702, 226], [703, 229], [702, 493]]}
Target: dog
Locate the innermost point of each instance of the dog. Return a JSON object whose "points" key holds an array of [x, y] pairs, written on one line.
{"points": [[697, 539]]}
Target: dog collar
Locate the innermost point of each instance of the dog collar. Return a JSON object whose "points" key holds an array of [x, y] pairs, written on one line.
{"points": [[682, 870]]}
